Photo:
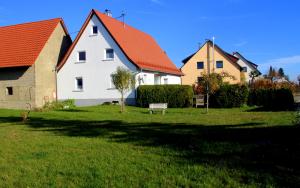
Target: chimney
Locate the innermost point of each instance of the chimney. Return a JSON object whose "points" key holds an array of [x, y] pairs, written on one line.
{"points": [[108, 12]]}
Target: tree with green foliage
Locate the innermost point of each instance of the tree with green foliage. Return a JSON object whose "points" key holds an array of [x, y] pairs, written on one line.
{"points": [[254, 74], [124, 81], [281, 73], [272, 74], [211, 83]]}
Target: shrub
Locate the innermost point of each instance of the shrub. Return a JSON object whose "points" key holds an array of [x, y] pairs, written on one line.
{"points": [[177, 96], [60, 105], [229, 96], [268, 84], [272, 99]]}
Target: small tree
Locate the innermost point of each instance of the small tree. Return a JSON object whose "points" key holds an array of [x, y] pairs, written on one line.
{"points": [[124, 81], [272, 74], [281, 73], [254, 74], [211, 83]]}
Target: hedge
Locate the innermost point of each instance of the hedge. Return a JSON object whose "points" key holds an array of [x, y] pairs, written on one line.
{"points": [[272, 99], [229, 96], [177, 96]]}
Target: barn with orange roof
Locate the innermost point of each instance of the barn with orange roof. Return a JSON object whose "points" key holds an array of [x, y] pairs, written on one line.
{"points": [[29, 54]]}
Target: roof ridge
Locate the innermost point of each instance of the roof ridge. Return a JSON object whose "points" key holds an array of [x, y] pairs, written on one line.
{"points": [[98, 12], [19, 24]]}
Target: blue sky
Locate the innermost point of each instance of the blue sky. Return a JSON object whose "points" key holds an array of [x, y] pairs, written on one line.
{"points": [[266, 32]]}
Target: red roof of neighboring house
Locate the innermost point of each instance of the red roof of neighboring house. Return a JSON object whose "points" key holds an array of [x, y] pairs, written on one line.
{"points": [[140, 48], [231, 57], [21, 44]]}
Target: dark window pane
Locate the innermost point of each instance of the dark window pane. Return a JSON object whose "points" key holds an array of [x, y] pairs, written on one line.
{"points": [[219, 64], [82, 56], [244, 69], [9, 91], [79, 83], [109, 53], [95, 29], [200, 65]]}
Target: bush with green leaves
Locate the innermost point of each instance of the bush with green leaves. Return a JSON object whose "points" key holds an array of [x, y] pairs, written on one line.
{"points": [[272, 99], [177, 96], [229, 96], [60, 105]]}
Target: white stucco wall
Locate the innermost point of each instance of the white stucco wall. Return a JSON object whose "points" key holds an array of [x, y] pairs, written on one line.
{"points": [[147, 78], [249, 69], [96, 71]]}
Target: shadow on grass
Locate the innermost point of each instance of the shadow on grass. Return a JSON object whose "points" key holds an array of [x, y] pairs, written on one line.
{"points": [[265, 150], [263, 109]]}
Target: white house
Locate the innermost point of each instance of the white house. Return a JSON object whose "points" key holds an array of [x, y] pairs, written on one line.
{"points": [[247, 66], [102, 45]]}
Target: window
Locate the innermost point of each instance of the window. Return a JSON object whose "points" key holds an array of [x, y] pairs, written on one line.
{"points": [[9, 91], [79, 84], [244, 69], [200, 65], [109, 54], [219, 64], [81, 56], [166, 81], [95, 30]]}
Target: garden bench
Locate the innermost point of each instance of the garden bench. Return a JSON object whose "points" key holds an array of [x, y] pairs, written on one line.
{"points": [[158, 107], [199, 100]]}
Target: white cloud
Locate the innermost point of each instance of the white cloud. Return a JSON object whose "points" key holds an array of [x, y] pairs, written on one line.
{"points": [[285, 61]]}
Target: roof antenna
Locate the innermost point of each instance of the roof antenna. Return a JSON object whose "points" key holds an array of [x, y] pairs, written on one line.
{"points": [[123, 17]]}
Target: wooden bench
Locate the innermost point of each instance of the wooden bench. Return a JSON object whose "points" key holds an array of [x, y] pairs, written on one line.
{"points": [[199, 100], [158, 107]]}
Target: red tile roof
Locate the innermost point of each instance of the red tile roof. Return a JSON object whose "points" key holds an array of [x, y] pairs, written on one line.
{"points": [[21, 44], [140, 48]]}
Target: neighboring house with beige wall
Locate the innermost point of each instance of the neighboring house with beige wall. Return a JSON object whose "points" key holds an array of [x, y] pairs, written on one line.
{"points": [[209, 59], [29, 55]]}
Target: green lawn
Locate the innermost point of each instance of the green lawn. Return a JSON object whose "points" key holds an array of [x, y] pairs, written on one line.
{"points": [[99, 147]]}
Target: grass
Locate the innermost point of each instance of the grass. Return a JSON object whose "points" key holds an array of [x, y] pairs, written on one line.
{"points": [[100, 147]]}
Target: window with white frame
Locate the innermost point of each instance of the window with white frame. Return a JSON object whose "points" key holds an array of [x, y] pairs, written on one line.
{"points": [[94, 30], [109, 54], [78, 84], [81, 56]]}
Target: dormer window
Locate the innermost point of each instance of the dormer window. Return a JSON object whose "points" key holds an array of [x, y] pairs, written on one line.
{"points": [[95, 30]]}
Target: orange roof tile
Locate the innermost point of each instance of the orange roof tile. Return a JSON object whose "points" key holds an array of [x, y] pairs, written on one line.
{"points": [[21, 44], [140, 48]]}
